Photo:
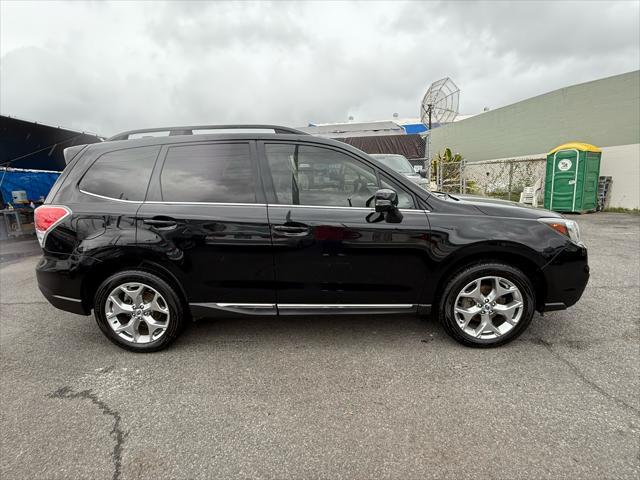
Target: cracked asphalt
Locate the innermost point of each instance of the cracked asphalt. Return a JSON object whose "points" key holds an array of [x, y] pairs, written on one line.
{"points": [[325, 397]]}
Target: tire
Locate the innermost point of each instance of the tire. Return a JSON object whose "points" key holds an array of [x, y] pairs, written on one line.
{"points": [[497, 325], [157, 324]]}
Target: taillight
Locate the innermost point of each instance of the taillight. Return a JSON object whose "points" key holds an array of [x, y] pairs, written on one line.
{"points": [[46, 217]]}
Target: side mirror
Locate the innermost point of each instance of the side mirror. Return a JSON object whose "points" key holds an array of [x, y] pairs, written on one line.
{"points": [[423, 173], [386, 200]]}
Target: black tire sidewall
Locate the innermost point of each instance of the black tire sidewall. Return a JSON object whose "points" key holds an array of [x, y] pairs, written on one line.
{"points": [[176, 317], [462, 278]]}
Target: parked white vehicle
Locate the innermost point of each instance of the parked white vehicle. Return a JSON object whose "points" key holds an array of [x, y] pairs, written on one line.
{"points": [[401, 165]]}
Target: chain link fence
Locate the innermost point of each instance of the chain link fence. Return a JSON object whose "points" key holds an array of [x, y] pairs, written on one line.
{"points": [[449, 176], [505, 179]]}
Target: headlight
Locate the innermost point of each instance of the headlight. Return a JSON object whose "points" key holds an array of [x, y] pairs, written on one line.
{"points": [[568, 228]]}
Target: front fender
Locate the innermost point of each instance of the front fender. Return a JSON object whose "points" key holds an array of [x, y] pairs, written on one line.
{"points": [[457, 240]]}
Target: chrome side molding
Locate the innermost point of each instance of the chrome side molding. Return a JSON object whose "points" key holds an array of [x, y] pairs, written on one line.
{"points": [[342, 306], [306, 308], [345, 308], [245, 308]]}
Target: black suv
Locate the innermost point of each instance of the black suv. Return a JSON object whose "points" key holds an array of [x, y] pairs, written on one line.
{"points": [[151, 232]]}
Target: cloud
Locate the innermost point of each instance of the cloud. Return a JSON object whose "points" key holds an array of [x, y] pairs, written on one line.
{"points": [[206, 28], [107, 67]]}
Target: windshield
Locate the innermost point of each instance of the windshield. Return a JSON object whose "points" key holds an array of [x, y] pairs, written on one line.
{"points": [[397, 162]]}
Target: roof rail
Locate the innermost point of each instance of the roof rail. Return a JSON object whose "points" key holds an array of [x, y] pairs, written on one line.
{"points": [[189, 130]]}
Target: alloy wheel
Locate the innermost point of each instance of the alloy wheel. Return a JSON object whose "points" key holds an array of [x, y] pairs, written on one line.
{"points": [[488, 307], [137, 312]]}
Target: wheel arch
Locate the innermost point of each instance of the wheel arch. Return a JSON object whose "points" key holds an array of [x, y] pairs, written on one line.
{"points": [[521, 259], [128, 261]]}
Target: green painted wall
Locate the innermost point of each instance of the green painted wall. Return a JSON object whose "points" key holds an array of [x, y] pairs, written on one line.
{"points": [[604, 112]]}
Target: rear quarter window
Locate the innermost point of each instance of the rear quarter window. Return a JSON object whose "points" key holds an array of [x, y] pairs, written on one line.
{"points": [[122, 174]]}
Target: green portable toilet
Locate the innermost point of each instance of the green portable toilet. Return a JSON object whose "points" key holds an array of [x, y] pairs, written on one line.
{"points": [[571, 183]]}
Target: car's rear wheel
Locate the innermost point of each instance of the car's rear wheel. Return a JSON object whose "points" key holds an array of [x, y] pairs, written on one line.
{"points": [[138, 311], [487, 305]]}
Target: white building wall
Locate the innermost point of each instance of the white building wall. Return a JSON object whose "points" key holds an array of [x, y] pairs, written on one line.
{"points": [[622, 163]]}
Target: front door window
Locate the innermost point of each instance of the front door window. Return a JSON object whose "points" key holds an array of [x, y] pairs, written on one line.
{"points": [[306, 175]]}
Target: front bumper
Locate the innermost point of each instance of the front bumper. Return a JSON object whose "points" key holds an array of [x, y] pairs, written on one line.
{"points": [[566, 277]]}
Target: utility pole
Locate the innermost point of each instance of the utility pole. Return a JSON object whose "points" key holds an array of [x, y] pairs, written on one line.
{"points": [[429, 109]]}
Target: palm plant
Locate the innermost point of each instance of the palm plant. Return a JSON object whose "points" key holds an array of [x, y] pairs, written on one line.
{"points": [[447, 167]]}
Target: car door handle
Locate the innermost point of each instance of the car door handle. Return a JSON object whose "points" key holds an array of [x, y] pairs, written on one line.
{"points": [[291, 231], [161, 224]]}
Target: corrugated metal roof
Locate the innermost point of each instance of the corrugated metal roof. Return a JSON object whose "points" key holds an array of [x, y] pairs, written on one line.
{"points": [[360, 129]]}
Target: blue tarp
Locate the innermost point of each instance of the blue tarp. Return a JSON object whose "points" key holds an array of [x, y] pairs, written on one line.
{"points": [[36, 183], [415, 128]]}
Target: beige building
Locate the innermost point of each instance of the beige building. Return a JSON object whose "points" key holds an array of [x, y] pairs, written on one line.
{"points": [[603, 112]]}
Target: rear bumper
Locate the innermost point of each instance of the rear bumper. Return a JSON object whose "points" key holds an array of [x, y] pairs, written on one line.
{"points": [[68, 304], [60, 286], [566, 277]]}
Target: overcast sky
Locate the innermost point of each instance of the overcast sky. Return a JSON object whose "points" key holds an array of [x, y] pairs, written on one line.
{"points": [[106, 67]]}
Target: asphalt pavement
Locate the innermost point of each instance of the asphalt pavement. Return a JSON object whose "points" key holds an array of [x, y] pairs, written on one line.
{"points": [[334, 398]]}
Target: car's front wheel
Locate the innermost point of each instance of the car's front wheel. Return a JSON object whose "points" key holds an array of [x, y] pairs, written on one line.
{"points": [[138, 311], [487, 304]]}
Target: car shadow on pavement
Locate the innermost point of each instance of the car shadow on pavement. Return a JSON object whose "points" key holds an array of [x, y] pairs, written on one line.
{"points": [[310, 329]]}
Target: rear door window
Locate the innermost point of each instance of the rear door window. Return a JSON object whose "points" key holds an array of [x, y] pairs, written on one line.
{"points": [[122, 174], [209, 173]]}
